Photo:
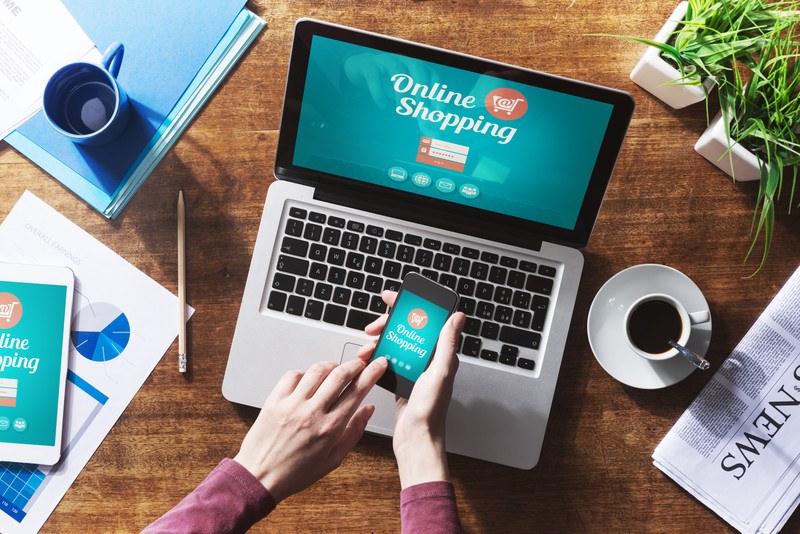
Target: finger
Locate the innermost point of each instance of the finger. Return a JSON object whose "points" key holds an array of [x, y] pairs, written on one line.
{"points": [[366, 351], [313, 377], [376, 327], [286, 385], [336, 381], [389, 297], [445, 360], [352, 433], [359, 387]]}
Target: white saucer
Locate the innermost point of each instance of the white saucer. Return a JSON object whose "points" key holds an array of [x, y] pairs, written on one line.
{"points": [[606, 327]]}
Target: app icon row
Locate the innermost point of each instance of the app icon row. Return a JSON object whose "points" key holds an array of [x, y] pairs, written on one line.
{"points": [[444, 185]]}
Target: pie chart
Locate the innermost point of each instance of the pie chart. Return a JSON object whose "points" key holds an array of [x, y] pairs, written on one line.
{"points": [[100, 332]]}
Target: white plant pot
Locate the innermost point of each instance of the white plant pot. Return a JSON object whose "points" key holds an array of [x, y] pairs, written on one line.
{"points": [[739, 163], [658, 77]]}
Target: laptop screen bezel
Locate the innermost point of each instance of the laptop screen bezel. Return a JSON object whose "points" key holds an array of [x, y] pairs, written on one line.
{"points": [[440, 213]]}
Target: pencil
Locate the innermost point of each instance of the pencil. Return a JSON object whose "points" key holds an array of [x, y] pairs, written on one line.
{"points": [[181, 284]]}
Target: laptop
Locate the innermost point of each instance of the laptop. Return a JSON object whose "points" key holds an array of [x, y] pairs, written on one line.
{"points": [[396, 157]]}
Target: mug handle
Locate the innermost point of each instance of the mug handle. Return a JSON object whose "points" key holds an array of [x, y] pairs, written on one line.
{"points": [[699, 317], [112, 59]]}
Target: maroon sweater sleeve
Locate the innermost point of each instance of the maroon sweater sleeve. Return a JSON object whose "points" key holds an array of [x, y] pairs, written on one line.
{"points": [[230, 499], [429, 508]]}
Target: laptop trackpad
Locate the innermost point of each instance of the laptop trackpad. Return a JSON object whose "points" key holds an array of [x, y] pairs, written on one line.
{"points": [[349, 352]]}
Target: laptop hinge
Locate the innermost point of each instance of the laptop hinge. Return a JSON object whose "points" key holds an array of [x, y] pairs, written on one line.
{"points": [[404, 211]]}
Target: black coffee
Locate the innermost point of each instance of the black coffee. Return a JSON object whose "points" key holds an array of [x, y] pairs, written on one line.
{"points": [[653, 324], [89, 107]]}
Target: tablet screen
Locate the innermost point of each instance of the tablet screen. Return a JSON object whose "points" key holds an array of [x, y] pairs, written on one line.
{"points": [[31, 336]]}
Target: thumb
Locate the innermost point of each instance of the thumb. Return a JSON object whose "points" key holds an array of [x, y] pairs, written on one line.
{"points": [[445, 360]]}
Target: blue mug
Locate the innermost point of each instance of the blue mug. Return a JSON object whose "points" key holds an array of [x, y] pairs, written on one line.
{"points": [[85, 103]]}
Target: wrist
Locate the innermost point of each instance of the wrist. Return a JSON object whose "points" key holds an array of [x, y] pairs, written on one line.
{"points": [[418, 463]]}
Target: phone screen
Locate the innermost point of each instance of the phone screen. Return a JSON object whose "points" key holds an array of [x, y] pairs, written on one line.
{"points": [[31, 336], [410, 336]]}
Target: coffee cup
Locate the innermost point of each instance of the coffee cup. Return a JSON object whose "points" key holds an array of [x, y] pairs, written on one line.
{"points": [[85, 103], [652, 321]]}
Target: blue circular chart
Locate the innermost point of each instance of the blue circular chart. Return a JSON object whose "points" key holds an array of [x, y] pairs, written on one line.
{"points": [[100, 332]]}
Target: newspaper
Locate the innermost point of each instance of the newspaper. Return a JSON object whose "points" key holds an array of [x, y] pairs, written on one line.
{"points": [[737, 447]]}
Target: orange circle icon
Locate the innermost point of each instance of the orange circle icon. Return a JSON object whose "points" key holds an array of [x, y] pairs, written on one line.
{"points": [[10, 310], [506, 104], [417, 318]]}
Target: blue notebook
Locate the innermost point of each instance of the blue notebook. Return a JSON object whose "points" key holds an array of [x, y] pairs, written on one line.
{"points": [[165, 49]]}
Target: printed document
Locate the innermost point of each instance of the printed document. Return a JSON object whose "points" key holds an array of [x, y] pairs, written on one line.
{"points": [[122, 324], [37, 37], [737, 447]]}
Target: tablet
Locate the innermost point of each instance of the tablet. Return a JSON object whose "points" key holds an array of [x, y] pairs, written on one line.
{"points": [[35, 311]]}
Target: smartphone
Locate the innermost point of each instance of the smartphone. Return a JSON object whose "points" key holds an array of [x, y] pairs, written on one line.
{"points": [[412, 330]]}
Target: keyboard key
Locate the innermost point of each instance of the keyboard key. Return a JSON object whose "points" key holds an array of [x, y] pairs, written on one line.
{"points": [[338, 222], [505, 261], [430, 274], [355, 226], [484, 291], [288, 264], [317, 217], [423, 258], [450, 248], [336, 256], [277, 301], [466, 305], [295, 247], [547, 270], [323, 292], [510, 350], [516, 279], [318, 252], [459, 342], [331, 236], [319, 271], [368, 245], [521, 299], [409, 269], [479, 270], [298, 213], [503, 295], [412, 239], [525, 363], [539, 284], [489, 355], [472, 326], [498, 275], [312, 232], [442, 262], [334, 314], [394, 235], [471, 346], [405, 253], [341, 295], [391, 285], [294, 227], [490, 330], [522, 338], [466, 287], [489, 257], [374, 284], [508, 360], [373, 265], [377, 305], [314, 310], [539, 308], [305, 287], [360, 319], [460, 266], [527, 266], [337, 275], [485, 310], [375, 231], [503, 314], [295, 305], [355, 261], [360, 300], [391, 269], [432, 244], [522, 319], [355, 280], [350, 240], [448, 280], [284, 282], [386, 249]]}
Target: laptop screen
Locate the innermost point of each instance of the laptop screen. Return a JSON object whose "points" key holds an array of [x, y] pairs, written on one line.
{"points": [[446, 139], [447, 133]]}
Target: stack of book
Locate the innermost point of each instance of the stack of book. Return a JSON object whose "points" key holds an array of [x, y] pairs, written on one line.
{"points": [[174, 60]]}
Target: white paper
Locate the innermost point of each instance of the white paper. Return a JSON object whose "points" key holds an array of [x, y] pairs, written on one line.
{"points": [[737, 447], [37, 37], [105, 372]]}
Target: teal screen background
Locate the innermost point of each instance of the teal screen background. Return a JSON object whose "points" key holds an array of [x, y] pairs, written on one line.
{"points": [[42, 323], [349, 127], [397, 356]]}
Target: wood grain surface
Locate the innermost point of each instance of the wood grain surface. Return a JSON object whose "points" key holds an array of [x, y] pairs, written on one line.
{"points": [[665, 204]]}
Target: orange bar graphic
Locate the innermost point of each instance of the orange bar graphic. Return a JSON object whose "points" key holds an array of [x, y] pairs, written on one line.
{"points": [[8, 401], [450, 165]]}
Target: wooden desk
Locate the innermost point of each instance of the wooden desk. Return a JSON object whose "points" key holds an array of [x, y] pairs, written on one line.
{"points": [[665, 205]]}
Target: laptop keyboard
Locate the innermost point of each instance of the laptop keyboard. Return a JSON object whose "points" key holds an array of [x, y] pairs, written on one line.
{"points": [[332, 268]]}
